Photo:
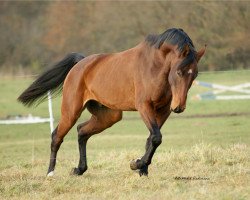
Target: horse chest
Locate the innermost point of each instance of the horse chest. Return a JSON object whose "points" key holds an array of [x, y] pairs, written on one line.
{"points": [[161, 98], [160, 91]]}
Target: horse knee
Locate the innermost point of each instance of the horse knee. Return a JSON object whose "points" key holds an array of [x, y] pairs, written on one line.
{"points": [[84, 129], [156, 140], [81, 126]]}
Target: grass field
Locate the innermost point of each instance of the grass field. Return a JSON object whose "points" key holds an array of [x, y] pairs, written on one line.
{"points": [[210, 140]]}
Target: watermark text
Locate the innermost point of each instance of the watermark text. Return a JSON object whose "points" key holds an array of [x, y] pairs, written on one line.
{"points": [[190, 178]]}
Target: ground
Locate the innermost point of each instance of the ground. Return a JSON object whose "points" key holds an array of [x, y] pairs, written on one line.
{"points": [[209, 142]]}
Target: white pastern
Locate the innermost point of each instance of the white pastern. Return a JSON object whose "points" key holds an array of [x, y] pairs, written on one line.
{"points": [[50, 174]]}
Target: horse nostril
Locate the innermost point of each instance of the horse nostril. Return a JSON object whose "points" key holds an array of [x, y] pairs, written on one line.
{"points": [[177, 109]]}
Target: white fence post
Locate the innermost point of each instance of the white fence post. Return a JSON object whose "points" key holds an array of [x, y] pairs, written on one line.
{"points": [[50, 112]]}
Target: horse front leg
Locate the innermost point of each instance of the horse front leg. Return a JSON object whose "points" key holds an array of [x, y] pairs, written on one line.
{"points": [[149, 117]]}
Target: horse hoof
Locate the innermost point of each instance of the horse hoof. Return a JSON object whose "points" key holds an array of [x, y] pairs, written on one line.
{"points": [[140, 166], [77, 171], [144, 171], [136, 164], [133, 164], [50, 174]]}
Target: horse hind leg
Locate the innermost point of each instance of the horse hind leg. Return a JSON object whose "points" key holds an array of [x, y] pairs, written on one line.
{"points": [[101, 119], [67, 121]]}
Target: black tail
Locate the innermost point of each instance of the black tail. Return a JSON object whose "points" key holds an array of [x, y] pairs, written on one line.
{"points": [[51, 80]]}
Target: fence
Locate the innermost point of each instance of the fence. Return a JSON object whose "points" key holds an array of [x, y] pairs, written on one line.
{"points": [[31, 119], [213, 95]]}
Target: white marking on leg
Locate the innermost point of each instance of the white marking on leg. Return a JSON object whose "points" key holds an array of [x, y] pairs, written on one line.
{"points": [[50, 174]]}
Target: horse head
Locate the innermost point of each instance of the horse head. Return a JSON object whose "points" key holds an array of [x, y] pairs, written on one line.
{"points": [[183, 71]]}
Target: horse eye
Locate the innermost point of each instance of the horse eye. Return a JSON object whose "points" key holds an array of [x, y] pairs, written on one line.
{"points": [[179, 73]]}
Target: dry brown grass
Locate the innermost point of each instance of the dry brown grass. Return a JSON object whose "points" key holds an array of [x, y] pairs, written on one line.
{"points": [[109, 176]]}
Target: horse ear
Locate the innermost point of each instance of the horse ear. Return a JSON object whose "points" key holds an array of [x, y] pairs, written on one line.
{"points": [[201, 53], [166, 48]]}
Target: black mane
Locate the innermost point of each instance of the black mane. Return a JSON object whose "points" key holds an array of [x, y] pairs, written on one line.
{"points": [[177, 37]]}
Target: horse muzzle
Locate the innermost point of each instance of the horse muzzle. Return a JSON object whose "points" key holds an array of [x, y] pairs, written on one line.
{"points": [[178, 109]]}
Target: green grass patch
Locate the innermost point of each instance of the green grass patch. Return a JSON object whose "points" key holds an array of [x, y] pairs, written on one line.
{"points": [[209, 140]]}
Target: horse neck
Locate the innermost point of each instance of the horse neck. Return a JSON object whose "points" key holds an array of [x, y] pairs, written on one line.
{"points": [[154, 58], [144, 53], [146, 56]]}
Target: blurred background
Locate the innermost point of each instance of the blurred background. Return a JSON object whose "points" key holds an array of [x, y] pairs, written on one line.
{"points": [[34, 34], [210, 139]]}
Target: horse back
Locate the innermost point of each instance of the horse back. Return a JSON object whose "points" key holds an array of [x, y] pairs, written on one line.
{"points": [[106, 78]]}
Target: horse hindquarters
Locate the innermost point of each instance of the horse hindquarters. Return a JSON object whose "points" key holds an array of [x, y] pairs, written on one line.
{"points": [[71, 110]]}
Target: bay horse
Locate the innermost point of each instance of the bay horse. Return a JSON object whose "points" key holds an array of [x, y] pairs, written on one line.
{"points": [[152, 78]]}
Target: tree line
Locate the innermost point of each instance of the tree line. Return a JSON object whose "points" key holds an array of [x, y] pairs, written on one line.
{"points": [[34, 34]]}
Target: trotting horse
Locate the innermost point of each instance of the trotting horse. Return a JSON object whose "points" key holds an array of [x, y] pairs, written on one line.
{"points": [[152, 78]]}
